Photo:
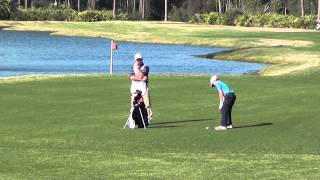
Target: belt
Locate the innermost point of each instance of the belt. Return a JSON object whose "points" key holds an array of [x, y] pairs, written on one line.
{"points": [[229, 94]]}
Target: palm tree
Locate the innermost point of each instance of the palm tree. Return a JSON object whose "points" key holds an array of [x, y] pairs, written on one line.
{"points": [[220, 8], [166, 10], [114, 9], [78, 5], [318, 9], [91, 4], [68, 3], [127, 5], [141, 8], [134, 7], [302, 8]]}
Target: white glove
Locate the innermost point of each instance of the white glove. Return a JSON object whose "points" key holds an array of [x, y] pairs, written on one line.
{"points": [[220, 106]]}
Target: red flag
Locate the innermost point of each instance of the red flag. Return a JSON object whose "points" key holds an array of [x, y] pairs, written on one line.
{"points": [[114, 46]]}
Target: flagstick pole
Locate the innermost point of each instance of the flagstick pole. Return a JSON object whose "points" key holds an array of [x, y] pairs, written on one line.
{"points": [[111, 58]]}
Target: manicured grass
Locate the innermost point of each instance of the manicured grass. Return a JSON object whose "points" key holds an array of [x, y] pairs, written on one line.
{"points": [[289, 51], [71, 128]]}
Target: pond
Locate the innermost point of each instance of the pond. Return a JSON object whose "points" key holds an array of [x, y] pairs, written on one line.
{"points": [[34, 53]]}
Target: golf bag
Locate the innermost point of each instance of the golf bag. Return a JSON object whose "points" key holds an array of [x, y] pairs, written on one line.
{"points": [[138, 113]]}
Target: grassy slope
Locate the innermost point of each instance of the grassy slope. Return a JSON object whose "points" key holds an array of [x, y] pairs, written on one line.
{"points": [[71, 128], [289, 50]]}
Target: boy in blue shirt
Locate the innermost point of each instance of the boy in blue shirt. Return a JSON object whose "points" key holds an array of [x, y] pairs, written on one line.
{"points": [[227, 98]]}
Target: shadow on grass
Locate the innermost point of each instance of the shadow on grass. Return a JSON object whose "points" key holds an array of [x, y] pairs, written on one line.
{"points": [[254, 125], [183, 121], [151, 126]]}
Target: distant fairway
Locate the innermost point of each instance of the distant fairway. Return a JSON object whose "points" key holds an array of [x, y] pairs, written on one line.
{"points": [[66, 128]]}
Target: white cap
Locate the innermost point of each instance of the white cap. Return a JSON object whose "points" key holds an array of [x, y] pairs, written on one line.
{"points": [[213, 78], [137, 56]]}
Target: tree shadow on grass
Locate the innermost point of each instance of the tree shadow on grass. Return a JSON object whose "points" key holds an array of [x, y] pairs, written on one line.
{"points": [[254, 125], [161, 126]]}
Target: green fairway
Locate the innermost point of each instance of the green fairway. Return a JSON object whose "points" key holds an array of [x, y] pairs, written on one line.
{"points": [[71, 128]]}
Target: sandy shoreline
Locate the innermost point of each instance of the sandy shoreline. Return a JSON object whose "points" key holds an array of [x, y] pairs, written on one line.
{"points": [[26, 78]]}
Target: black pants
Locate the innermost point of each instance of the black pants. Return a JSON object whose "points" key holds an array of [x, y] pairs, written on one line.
{"points": [[229, 100]]}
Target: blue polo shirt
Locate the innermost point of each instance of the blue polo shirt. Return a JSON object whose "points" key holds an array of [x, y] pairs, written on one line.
{"points": [[221, 86]]}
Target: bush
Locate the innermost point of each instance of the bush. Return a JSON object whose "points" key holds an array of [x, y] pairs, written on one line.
{"points": [[243, 20], [92, 15], [44, 15], [277, 21], [310, 22], [62, 14], [4, 9], [231, 16], [198, 18], [122, 16], [213, 18]]}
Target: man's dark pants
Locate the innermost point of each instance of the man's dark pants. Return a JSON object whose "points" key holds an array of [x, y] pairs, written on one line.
{"points": [[228, 102]]}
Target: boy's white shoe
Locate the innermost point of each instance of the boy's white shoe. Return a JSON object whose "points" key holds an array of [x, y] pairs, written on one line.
{"points": [[219, 128], [149, 120], [229, 127]]}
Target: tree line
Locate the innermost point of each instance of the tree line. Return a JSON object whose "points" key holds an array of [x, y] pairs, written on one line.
{"points": [[176, 10]]}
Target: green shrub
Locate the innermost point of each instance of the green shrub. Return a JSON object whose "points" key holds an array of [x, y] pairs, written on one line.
{"points": [[231, 16], [310, 22], [44, 14], [5, 9], [20, 15], [243, 20], [298, 22], [122, 16], [213, 18], [199, 18], [93, 15], [89, 16], [61, 14], [277, 21]]}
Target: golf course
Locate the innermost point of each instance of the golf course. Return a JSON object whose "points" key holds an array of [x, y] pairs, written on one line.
{"points": [[71, 126]]}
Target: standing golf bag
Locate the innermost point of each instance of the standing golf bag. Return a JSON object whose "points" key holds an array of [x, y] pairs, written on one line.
{"points": [[138, 114]]}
